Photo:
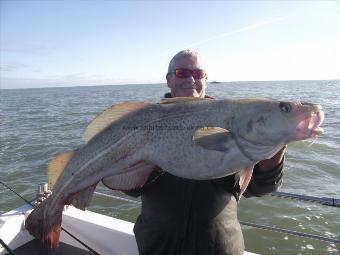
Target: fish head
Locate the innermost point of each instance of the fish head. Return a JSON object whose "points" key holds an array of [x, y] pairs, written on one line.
{"points": [[271, 123]]}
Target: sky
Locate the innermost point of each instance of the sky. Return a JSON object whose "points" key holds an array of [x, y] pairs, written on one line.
{"points": [[55, 43]]}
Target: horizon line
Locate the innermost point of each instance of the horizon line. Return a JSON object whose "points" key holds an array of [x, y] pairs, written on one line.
{"points": [[159, 83]]}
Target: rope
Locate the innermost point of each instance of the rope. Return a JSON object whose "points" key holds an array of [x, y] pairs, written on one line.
{"points": [[321, 200], [67, 232]]}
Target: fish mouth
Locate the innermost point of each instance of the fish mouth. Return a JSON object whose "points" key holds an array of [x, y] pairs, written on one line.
{"points": [[310, 126]]}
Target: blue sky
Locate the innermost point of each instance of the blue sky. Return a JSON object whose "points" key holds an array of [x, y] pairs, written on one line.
{"points": [[77, 43]]}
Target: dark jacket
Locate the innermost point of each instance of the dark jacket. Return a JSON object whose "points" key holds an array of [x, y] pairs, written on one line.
{"points": [[182, 216]]}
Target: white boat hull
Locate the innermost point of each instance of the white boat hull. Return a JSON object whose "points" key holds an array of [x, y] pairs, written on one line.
{"points": [[106, 235]]}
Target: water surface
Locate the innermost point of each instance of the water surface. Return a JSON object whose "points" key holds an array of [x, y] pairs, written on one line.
{"points": [[37, 124]]}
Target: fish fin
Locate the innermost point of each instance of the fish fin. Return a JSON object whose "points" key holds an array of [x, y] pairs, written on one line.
{"points": [[82, 199], [212, 138], [110, 115], [180, 100], [245, 177], [56, 166], [132, 178], [45, 224]]}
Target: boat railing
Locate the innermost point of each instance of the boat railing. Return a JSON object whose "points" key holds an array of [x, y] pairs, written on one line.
{"points": [[321, 200], [43, 192]]}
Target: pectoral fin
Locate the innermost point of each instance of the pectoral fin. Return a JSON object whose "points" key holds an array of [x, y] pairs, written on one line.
{"points": [[82, 199], [133, 177], [213, 138], [245, 177]]}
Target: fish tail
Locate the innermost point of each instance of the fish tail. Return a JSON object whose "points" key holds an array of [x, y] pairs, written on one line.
{"points": [[45, 224]]}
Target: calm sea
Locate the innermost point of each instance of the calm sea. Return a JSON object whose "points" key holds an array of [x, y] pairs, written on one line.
{"points": [[37, 124]]}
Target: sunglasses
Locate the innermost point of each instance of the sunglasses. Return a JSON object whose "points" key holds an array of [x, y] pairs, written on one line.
{"points": [[185, 73]]}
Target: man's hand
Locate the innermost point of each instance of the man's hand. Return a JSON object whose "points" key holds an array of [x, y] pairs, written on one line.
{"points": [[269, 164]]}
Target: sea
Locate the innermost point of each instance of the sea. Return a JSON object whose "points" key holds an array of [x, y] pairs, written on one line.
{"points": [[38, 124]]}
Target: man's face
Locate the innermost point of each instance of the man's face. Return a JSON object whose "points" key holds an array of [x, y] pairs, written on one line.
{"points": [[187, 87]]}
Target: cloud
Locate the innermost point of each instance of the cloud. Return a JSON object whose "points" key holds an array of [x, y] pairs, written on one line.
{"points": [[226, 34], [243, 29], [312, 60], [9, 67], [13, 67], [74, 79], [23, 47]]}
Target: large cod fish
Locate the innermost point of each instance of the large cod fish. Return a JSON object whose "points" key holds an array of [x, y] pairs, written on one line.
{"points": [[188, 137]]}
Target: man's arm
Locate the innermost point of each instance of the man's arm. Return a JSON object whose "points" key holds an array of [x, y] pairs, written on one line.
{"points": [[269, 164], [267, 175]]}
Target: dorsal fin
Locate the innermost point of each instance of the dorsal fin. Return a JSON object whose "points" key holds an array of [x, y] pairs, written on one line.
{"points": [[110, 115], [180, 100], [56, 166]]}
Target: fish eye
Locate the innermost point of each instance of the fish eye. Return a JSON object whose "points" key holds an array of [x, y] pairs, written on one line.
{"points": [[285, 107]]}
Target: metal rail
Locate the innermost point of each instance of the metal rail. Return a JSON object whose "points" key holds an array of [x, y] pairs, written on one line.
{"points": [[321, 200], [250, 224], [291, 232], [119, 198]]}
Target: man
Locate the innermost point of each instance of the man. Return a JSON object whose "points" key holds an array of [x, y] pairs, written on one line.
{"points": [[181, 216]]}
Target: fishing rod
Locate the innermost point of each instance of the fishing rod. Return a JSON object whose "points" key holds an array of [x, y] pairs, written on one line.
{"points": [[27, 202], [63, 229], [9, 250]]}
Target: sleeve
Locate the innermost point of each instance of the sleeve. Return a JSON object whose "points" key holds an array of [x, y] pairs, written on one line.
{"points": [[263, 183]]}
